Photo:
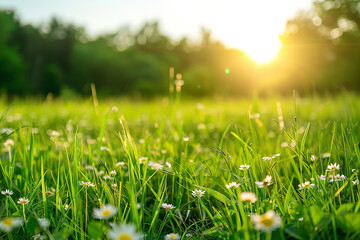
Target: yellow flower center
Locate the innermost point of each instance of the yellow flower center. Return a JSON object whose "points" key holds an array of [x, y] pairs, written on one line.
{"points": [[247, 199], [172, 236], [124, 236], [106, 212], [266, 221], [8, 222]]}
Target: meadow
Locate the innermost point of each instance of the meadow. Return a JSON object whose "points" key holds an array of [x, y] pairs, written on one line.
{"points": [[278, 168]]}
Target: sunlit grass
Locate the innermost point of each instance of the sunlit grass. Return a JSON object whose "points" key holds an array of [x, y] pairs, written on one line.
{"points": [[169, 170]]}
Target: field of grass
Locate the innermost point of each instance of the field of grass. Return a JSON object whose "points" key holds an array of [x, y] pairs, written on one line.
{"points": [[112, 170]]}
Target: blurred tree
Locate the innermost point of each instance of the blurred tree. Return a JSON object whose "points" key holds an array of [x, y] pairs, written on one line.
{"points": [[12, 66]]}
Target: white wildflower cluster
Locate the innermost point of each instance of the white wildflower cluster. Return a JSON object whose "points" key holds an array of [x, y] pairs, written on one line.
{"points": [[197, 193], [86, 184]]}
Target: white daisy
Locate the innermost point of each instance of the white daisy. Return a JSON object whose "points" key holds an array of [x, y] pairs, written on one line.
{"points": [[155, 166], [106, 211], [172, 236], [197, 193], [271, 157], [265, 182], [244, 167], [337, 178], [167, 206], [38, 237], [120, 164], [7, 192], [86, 184], [333, 167], [248, 197], [143, 160], [232, 185], [306, 185], [9, 143], [23, 201], [123, 232], [8, 224], [322, 177], [266, 222]]}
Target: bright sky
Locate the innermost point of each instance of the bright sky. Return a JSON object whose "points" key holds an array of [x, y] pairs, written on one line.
{"points": [[252, 26]]}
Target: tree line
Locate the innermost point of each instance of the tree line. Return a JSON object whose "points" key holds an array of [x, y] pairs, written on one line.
{"points": [[320, 53]]}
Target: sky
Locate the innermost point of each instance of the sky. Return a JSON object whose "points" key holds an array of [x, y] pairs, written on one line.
{"points": [[252, 26]]}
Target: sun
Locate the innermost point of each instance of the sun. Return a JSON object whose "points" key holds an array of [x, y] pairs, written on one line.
{"points": [[263, 52]]}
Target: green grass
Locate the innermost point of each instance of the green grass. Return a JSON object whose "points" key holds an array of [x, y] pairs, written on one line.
{"points": [[46, 167]]}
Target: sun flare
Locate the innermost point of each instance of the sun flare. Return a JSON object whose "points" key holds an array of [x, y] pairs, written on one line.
{"points": [[263, 52]]}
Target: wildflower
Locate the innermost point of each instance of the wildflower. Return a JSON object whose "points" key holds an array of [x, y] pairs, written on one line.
{"points": [[38, 237], [266, 222], [9, 143], [197, 193], [107, 177], [8, 224], [333, 167], [232, 185], [171, 236], [322, 177], [155, 166], [114, 185], [248, 197], [7, 192], [186, 139], [301, 219], [337, 178], [107, 211], [120, 164], [313, 158], [142, 160], [66, 207], [306, 185], [265, 182], [356, 182], [89, 167], [23, 201], [353, 170], [167, 206], [102, 148], [123, 232], [168, 164], [270, 157], [244, 167], [326, 155], [284, 144], [112, 172], [43, 222], [86, 184]]}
